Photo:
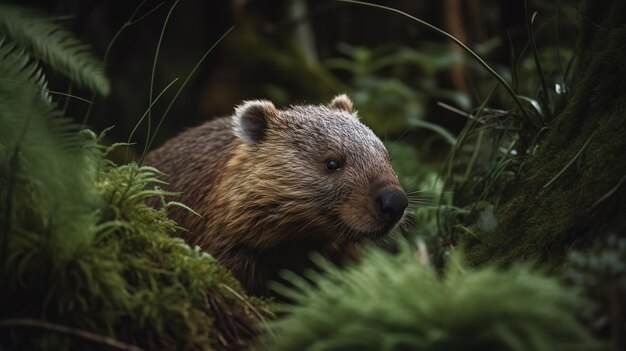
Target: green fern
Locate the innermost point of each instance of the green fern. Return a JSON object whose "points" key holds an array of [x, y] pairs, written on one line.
{"points": [[58, 48], [133, 282], [43, 152], [78, 245], [80, 248], [396, 303]]}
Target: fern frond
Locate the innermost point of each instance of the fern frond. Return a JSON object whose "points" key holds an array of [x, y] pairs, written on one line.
{"points": [[22, 67], [58, 48], [169, 204], [55, 163], [393, 302]]}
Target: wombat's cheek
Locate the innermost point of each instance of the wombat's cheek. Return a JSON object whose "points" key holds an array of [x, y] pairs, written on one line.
{"points": [[359, 216]]}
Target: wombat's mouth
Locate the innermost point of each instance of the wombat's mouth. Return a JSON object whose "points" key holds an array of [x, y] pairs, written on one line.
{"points": [[372, 235], [359, 229], [375, 234], [358, 234]]}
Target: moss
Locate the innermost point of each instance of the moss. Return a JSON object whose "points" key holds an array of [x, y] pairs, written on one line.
{"points": [[133, 282], [549, 214], [80, 249]]}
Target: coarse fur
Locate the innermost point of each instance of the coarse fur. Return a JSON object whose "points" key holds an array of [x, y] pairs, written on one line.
{"points": [[259, 179]]}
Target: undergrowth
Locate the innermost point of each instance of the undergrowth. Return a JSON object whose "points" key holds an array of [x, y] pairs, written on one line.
{"points": [[85, 263], [396, 302], [538, 170]]}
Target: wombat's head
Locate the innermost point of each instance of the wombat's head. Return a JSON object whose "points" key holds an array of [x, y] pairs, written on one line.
{"points": [[317, 169]]}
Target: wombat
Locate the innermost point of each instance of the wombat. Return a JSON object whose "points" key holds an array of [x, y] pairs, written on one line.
{"points": [[273, 185]]}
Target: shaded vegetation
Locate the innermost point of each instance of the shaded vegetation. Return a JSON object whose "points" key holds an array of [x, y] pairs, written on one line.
{"points": [[394, 302], [565, 195], [534, 172], [38, 34], [601, 273], [526, 180], [85, 263]]}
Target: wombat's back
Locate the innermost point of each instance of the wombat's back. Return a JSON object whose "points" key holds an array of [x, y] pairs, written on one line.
{"points": [[191, 163]]}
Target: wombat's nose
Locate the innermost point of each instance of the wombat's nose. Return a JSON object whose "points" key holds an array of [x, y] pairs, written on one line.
{"points": [[391, 203]]}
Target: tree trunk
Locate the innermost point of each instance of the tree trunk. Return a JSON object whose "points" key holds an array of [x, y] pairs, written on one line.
{"points": [[572, 189]]}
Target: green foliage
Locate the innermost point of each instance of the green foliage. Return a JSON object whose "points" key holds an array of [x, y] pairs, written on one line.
{"points": [[485, 160], [379, 90], [394, 302], [601, 273], [485, 164], [569, 190], [79, 248], [42, 36], [133, 282], [481, 170], [42, 155], [423, 188]]}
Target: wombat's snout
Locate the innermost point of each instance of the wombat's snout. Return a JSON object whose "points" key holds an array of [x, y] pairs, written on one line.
{"points": [[391, 204]]}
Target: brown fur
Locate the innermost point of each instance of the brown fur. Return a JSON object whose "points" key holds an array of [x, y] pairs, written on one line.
{"points": [[266, 199]]}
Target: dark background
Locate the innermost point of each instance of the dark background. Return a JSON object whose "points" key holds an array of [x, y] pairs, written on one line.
{"points": [[284, 51]]}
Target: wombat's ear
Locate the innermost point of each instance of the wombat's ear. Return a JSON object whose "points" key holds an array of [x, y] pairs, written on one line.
{"points": [[341, 102], [251, 120]]}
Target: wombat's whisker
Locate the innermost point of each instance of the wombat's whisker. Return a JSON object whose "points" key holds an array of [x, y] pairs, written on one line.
{"points": [[418, 191], [308, 224]]}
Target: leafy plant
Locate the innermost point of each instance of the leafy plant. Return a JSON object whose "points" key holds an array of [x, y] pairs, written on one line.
{"points": [[423, 188], [486, 159], [379, 90], [132, 282], [84, 262], [42, 154], [601, 273], [394, 302], [36, 33]]}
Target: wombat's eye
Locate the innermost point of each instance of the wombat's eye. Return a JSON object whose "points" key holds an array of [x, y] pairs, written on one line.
{"points": [[332, 165]]}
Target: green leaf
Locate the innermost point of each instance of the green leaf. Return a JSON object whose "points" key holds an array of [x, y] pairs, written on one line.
{"points": [[56, 47], [45, 153]]}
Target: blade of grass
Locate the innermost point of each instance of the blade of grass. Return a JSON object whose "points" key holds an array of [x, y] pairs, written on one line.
{"points": [[128, 142], [250, 306], [180, 89], [513, 63], [463, 46], [68, 95], [131, 20], [558, 42], [456, 110], [464, 133], [607, 194], [446, 135], [545, 99], [66, 101], [474, 156], [568, 69], [582, 149], [448, 163], [152, 74]]}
